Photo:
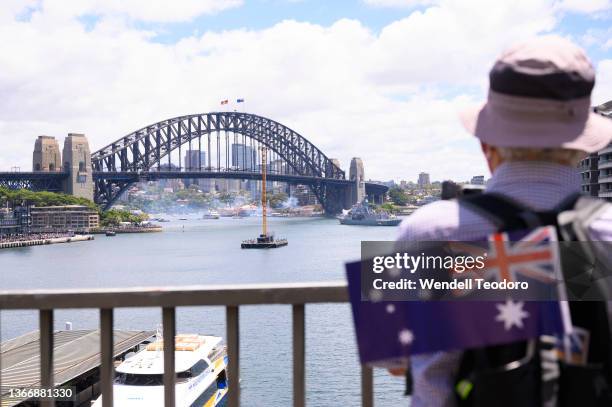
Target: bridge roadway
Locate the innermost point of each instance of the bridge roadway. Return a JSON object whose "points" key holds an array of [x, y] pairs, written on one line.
{"points": [[52, 180]]}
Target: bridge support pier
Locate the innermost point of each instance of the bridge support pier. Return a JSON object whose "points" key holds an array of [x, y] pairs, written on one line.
{"points": [[335, 200], [357, 176], [77, 163]]}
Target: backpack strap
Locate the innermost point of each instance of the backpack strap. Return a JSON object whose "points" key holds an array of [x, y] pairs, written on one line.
{"points": [[574, 224], [508, 214]]}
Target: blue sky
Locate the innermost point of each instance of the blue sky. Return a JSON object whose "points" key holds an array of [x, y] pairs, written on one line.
{"points": [[363, 78], [260, 14]]}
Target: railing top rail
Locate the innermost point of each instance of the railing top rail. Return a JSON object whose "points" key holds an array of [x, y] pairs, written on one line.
{"points": [[196, 295]]}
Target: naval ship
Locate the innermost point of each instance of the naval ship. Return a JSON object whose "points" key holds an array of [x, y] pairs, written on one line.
{"points": [[362, 214]]}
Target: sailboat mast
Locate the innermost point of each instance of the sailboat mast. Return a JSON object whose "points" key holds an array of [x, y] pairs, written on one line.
{"points": [[263, 192]]}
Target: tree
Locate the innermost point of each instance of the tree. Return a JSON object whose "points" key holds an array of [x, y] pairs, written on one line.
{"points": [[42, 198], [398, 196], [277, 200], [226, 197], [388, 207], [114, 217]]}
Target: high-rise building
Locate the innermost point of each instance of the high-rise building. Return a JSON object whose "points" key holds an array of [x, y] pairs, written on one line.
{"points": [[596, 169], [46, 156], [423, 180], [194, 160], [303, 194], [243, 157]]}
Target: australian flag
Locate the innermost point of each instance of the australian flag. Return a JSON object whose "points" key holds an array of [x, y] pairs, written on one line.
{"points": [[388, 332]]}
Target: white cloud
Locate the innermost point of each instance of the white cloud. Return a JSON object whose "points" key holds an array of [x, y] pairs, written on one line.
{"points": [[398, 3], [586, 6], [603, 84], [142, 10], [390, 97], [601, 38]]}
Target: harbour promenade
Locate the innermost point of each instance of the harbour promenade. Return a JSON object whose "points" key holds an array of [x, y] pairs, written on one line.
{"points": [[42, 239]]}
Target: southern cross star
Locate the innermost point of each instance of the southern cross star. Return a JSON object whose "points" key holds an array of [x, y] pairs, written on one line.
{"points": [[511, 314], [405, 337]]}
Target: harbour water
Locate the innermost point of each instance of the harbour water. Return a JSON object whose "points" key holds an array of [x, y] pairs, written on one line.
{"points": [[197, 251]]}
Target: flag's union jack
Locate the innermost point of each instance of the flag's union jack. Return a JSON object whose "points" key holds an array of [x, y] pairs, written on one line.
{"points": [[524, 256]]}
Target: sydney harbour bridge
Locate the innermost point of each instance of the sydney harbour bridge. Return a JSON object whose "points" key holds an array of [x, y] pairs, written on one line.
{"points": [[222, 145]]}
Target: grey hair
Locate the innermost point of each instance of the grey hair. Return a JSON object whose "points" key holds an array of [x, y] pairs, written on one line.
{"points": [[555, 155]]}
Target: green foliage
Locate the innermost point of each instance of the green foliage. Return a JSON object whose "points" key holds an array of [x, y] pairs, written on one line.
{"points": [[398, 196], [42, 198], [388, 207], [226, 197], [114, 217]]}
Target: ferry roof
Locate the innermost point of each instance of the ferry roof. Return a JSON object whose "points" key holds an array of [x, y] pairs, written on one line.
{"points": [[74, 352], [151, 360]]}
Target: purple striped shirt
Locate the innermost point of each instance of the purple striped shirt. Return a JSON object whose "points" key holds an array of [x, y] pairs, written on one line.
{"points": [[538, 185]]}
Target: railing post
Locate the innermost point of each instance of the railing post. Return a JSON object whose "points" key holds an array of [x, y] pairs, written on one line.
{"points": [[169, 332], [46, 353], [233, 353], [299, 356], [367, 387], [107, 371]]}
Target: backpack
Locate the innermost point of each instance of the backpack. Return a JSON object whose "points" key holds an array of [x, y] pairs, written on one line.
{"points": [[529, 373]]}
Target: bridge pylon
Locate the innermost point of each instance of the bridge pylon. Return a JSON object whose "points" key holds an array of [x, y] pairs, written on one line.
{"points": [[77, 163], [357, 177]]}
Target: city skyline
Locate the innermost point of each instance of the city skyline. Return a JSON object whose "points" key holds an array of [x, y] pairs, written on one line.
{"points": [[343, 75]]}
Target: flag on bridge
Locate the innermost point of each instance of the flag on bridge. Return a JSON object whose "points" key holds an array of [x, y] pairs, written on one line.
{"points": [[388, 332], [224, 102], [239, 100]]}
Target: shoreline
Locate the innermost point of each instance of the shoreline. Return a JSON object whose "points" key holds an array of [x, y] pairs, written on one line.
{"points": [[102, 231], [41, 242]]}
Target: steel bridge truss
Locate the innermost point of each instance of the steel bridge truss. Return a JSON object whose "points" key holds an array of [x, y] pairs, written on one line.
{"points": [[233, 138], [35, 181]]}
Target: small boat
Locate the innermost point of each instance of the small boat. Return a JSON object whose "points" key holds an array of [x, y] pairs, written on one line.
{"points": [[211, 214], [201, 380], [182, 218], [160, 220], [110, 233]]}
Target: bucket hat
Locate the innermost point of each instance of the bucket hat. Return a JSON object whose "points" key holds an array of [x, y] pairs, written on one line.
{"points": [[540, 96]]}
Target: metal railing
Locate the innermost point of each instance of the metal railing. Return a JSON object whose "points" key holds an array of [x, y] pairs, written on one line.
{"points": [[232, 297]]}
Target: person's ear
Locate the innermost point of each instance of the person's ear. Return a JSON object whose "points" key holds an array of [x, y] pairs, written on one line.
{"points": [[489, 153], [486, 150]]}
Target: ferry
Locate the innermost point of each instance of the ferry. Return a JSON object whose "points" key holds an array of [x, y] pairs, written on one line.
{"points": [[201, 363]]}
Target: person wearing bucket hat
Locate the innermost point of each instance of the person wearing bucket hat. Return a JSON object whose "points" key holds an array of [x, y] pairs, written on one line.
{"points": [[534, 128]]}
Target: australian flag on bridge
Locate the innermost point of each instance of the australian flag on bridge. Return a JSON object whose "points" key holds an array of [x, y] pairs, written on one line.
{"points": [[388, 332]]}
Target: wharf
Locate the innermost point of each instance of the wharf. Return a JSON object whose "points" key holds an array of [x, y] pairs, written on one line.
{"points": [[76, 361], [41, 242], [132, 229]]}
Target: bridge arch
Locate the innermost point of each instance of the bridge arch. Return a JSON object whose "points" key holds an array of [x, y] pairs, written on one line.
{"points": [[142, 151]]}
